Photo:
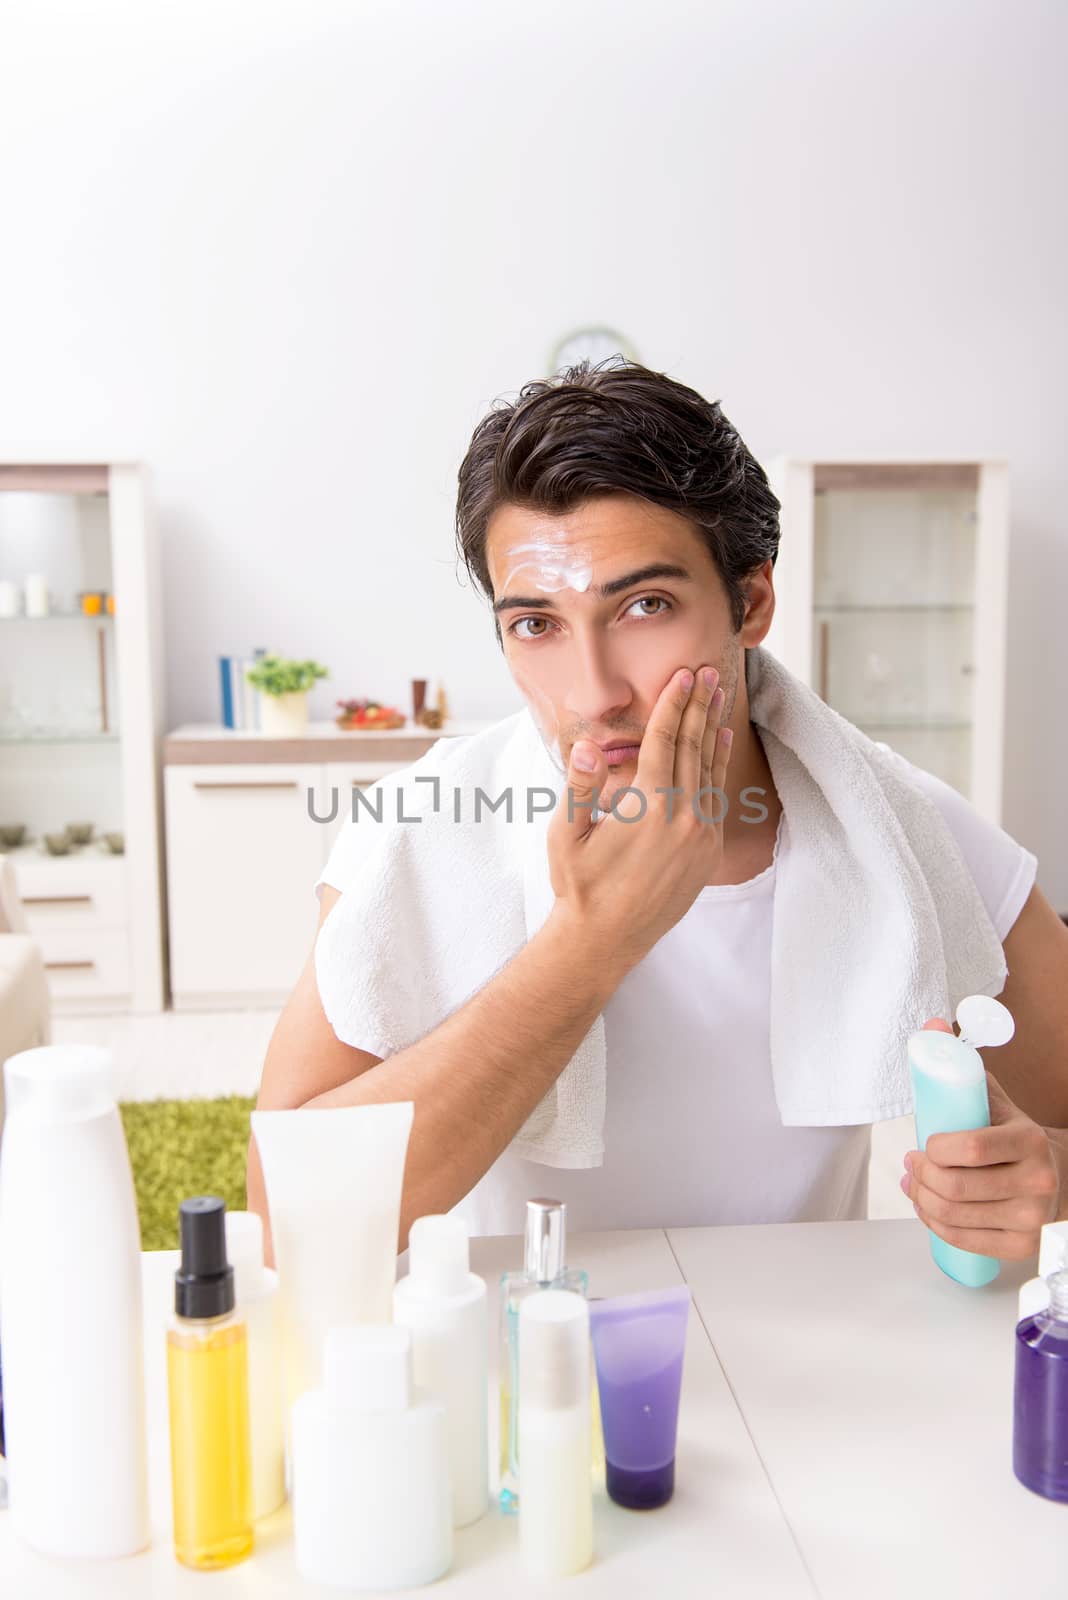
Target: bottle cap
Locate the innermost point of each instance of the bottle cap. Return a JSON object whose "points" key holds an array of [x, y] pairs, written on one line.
{"points": [[554, 1350], [204, 1283], [367, 1367], [984, 1021], [544, 1244], [244, 1247], [60, 1082], [1052, 1248], [439, 1255]]}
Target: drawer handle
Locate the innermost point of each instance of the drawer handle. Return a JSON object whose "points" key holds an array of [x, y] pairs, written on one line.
{"points": [[57, 899], [69, 966], [287, 783]]}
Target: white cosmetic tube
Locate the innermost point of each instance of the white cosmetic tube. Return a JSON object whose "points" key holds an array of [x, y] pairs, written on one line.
{"points": [[333, 1179]]}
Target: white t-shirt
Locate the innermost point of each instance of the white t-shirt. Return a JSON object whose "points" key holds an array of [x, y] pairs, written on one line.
{"points": [[692, 1130]]}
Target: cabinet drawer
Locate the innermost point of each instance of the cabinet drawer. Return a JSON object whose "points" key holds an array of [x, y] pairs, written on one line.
{"points": [[86, 963], [243, 855], [72, 891]]}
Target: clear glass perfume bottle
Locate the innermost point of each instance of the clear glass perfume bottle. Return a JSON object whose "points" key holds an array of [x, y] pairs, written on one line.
{"points": [[544, 1267]]}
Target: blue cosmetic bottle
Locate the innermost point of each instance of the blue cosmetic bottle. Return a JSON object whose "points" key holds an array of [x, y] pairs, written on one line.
{"points": [[949, 1096]]}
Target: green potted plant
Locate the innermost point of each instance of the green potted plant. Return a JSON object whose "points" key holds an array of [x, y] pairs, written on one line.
{"points": [[283, 684]]}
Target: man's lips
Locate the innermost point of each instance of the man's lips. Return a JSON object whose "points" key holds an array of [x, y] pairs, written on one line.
{"points": [[620, 750]]}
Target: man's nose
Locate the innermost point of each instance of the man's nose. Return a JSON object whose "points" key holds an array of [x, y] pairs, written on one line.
{"points": [[598, 689]]}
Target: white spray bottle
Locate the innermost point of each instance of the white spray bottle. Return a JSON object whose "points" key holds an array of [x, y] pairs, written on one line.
{"points": [[949, 1096]]}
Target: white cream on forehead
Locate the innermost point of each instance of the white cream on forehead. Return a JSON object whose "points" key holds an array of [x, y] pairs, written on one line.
{"points": [[557, 566]]}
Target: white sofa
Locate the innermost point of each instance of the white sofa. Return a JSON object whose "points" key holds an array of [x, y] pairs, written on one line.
{"points": [[25, 1014]]}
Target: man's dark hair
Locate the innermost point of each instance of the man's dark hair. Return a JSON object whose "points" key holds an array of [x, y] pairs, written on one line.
{"points": [[619, 428]]}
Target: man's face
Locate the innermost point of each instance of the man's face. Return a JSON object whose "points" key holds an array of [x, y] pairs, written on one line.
{"points": [[591, 665]]}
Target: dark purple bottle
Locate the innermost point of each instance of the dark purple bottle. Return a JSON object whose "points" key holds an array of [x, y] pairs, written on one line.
{"points": [[1040, 1408]]}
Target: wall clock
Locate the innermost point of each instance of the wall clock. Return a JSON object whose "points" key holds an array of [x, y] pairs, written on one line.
{"points": [[592, 345]]}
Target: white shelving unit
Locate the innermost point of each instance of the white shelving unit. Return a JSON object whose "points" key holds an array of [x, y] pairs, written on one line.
{"points": [[81, 713], [890, 591]]}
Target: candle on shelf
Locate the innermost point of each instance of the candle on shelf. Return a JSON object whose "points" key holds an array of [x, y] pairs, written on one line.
{"points": [[36, 594]]}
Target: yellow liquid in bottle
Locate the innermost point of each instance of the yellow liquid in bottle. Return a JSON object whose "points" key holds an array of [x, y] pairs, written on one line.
{"points": [[211, 1457]]}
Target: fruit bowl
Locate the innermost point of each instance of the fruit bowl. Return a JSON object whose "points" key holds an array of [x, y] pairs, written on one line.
{"points": [[370, 714]]}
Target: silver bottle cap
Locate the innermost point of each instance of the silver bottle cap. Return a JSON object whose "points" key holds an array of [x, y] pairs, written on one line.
{"points": [[544, 1249]]}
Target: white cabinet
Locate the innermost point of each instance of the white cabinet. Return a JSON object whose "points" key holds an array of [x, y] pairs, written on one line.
{"points": [[890, 592], [76, 908], [250, 822], [243, 854], [80, 719]]}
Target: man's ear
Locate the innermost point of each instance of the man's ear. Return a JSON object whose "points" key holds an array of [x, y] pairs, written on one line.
{"points": [[759, 605]]}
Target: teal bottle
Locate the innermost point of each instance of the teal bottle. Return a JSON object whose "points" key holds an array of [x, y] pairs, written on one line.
{"points": [[949, 1096]]}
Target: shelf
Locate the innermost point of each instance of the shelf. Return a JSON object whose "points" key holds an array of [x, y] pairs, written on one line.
{"points": [[64, 616], [71, 736], [95, 853], [904, 606]]}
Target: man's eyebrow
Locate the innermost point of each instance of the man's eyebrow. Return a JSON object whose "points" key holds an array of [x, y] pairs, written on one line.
{"points": [[604, 591]]}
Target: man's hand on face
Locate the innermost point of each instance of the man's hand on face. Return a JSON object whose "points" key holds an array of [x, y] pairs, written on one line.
{"points": [[988, 1190], [627, 878]]}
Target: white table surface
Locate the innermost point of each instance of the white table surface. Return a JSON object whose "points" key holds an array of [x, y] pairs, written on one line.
{"points": [[845, 1432], [879, 1396]]}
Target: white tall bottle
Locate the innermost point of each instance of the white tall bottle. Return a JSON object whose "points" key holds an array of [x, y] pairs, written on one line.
{"points": [[371, 1499], [70, 1309], [256, 1295], [556, 1498], [443, 1303]]}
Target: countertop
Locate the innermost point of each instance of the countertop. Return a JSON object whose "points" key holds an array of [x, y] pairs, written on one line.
{"points": [[845, 1433]]}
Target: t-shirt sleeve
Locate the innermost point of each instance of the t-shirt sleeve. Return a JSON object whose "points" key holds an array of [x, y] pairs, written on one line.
{"points": [[1003, 869], [351, 845]]}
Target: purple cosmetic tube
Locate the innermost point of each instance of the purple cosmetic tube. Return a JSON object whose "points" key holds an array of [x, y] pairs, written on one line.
{"points": [[638, 1345]]}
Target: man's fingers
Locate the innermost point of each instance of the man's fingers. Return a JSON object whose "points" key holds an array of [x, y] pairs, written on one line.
{"points": [[689, 746], [980, 1147], [1004, 1244], [582, 788], [1020, 1213], [656, 757], [965, 1184]]}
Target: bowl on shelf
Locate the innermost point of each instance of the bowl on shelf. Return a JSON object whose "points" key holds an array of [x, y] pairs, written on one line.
{"points": [[58, 844], [12, 834], [80, 832], [116, 843]]}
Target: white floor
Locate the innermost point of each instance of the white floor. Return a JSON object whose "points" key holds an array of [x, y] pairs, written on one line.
{"points": [[186, 1053]]}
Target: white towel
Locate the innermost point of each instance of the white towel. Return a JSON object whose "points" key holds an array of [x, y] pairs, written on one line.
{"points": [[878, 924]]}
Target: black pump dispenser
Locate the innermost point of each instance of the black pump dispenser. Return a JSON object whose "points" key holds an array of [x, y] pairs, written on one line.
{"points": [[204, 1283]]}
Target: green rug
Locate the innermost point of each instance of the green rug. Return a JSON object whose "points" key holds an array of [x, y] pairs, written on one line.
{"points": [[180, 1148]]}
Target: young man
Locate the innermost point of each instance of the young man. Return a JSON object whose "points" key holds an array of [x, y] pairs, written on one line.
{"points": [[626, 539]]}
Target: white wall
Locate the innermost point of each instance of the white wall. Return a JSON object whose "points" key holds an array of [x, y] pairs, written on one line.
{"points": [[287, 254]]}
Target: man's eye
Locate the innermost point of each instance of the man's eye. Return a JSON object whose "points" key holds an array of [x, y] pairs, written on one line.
{"points": [[650, 599], [514, 629]]}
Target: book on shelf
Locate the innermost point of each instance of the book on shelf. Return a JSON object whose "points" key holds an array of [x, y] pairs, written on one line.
{"points": [[240, 701]]}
